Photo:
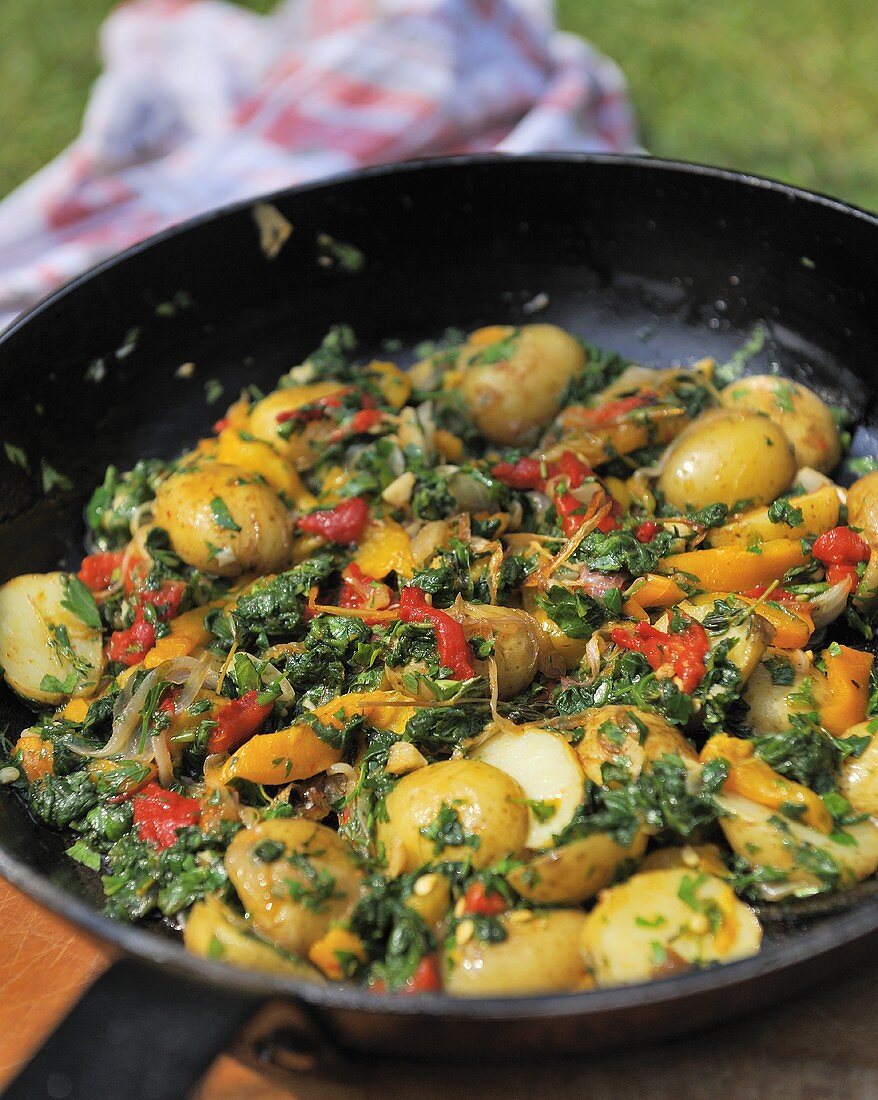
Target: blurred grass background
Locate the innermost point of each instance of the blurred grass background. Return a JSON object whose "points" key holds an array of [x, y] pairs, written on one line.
{"points": [[785, 88]]}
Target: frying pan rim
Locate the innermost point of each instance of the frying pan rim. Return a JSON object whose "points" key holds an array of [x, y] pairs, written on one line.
{"points": [[836, 931]]}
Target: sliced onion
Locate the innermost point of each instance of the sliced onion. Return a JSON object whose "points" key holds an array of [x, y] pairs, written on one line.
{"points": [[158, 746], [272, 676], [812, 480], [827, 607], [194, 682]]}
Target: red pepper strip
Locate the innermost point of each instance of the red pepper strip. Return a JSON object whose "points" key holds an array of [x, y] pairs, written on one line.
{"points": [[426, 978], [220, 425], [316, 410], [237, 721], [360, 422], [451, 644], [840, 546], [130, 646], [647, 531], [158, 814], [484, 903], [527, 473], [685, 651], [574, 469], [97, 570], [342, 524], [613, 410], [778, 595], [361, 591]]}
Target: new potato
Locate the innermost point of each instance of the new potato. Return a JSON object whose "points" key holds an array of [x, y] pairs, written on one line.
{"points": [[490, 807], [293, 897], [725, 457], [806, 420], [576, 871], [250, 529]]}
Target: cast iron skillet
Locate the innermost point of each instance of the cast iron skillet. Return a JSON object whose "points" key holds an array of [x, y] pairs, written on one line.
{"points": [[666, 262]]}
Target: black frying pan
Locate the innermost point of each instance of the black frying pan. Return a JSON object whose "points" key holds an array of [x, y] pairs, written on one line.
{"points": [[665, 262]]}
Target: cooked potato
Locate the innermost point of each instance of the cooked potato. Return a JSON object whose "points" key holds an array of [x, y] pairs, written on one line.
{"points": [[428, 807], [763, 837], [294, 878], [518, 643], [256, 456], [549, 773], [804, 418], [751, 635], [223, 520], [513, 384], [34, 645], [567, 651], [769, 702], [820, 511], [430, 898], [659, 922], [539, 955], [215, 932], [576, 871], [627, 737], [858, 779], [862, 504], [695, 857], [726, 457]]}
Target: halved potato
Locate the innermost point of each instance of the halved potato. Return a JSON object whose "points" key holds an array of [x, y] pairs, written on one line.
{"points": [[213, 931], [660, 922], [765, 838], [539, 955], [576, 871], [550, 775], [695, 857], [33, 644], [820, 511], [627, 737], [770, 703], [858, 779]]}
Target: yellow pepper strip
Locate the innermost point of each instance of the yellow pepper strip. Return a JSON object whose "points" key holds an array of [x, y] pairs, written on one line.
{"points": [[385, 548], [490, 334], [395, 386], [99, 768], [843, 696], [752, 778], [793, 626], [448, 445], [731, 568], [36, 756], [298, 753], [324, 953], [186, 634], [653, 590], [259, 457], [819, 509], [76, 710]]}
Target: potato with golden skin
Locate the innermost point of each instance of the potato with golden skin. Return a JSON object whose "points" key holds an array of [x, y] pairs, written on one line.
{"points": [[862, 504], [644, 738], [539, 955], [659, 922], [724, 457], [223, 520], [805, 419], [858, 778], [215, 932], [485, 804], [576, 871], [518, 643], [294, 878], [559, 648], [513, 385], [299, 448]]}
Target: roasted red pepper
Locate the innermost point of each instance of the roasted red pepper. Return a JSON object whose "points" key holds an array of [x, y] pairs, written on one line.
{"points": [[317, 410], [478, 901], [130, 646], [237, 721], [527, 473], [451, 644], [158, 814], [97, 570], [426, 978], [613, 410], [840, 550], [342, 524], [685, 651], [573, 468], [779, 595], [362, 591], [647, 531]]}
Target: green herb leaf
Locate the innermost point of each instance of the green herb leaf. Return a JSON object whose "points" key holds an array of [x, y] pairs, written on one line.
{"points": [[79, 600], [221, 515]]}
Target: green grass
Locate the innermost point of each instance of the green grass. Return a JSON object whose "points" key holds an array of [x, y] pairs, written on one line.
{"points": [[785, 88]]}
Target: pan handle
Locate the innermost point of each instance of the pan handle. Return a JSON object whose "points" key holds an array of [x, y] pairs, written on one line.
{"points": [[139, 1032]]}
